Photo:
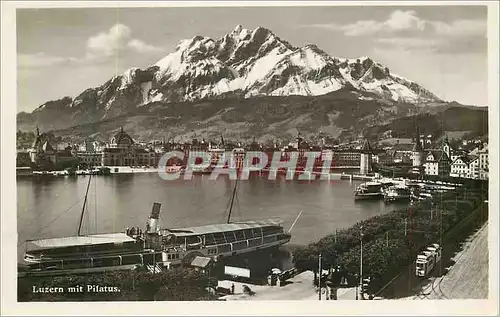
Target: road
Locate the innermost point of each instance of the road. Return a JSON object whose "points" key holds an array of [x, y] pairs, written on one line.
{"points": [[299, 287], [407, 285], [468, 277], [461, 274]]}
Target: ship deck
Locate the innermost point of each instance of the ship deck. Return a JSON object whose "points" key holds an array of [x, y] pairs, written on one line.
{"points": [[225, 227], [96, 239]]}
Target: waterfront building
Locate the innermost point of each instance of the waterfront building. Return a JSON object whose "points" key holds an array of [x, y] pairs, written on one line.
{"points": [[466, 166], [43, 155], [237, 158], [456, 154], [387, 157], [197, 149], [99, 145], [90, 158], [216, 151], [347, 157], [88, 146], [483, 162], [258, 153], [123, 151], [437, 163], [42, 152], [402, 153], [121, 140]]}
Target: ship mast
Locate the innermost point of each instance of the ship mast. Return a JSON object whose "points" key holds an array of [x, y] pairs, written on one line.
{"points": [[83, 208], [232, 201]]}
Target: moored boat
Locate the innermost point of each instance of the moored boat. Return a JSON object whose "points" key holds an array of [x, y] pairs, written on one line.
{"points": [[397, 193], [369, 190], [155, 246]]}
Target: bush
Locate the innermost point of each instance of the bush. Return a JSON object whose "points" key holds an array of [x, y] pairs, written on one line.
{"points": [[386, 248], [138, 285]]}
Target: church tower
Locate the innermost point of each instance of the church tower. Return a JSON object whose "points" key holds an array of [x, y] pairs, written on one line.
{"points": [[418, 154], [446, 146], [365, 166]]}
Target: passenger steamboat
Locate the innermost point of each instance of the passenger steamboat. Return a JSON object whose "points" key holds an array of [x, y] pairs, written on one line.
{"points": [[368, 190], [156, 248]]}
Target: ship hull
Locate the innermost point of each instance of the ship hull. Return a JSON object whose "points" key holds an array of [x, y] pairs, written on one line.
{"points": [[396, 199], [55, 267], [368, 196]]}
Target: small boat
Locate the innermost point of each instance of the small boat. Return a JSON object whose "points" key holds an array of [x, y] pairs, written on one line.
{"points": [[369, 190], [397, 193]]}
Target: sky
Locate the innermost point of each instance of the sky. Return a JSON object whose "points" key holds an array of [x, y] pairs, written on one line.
{"points": [[61, 52]]}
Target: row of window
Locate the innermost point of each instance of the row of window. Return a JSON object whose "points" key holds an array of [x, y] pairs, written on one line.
{"points": [[239, 235], [235, 246], [173, 256], [102, 262]]}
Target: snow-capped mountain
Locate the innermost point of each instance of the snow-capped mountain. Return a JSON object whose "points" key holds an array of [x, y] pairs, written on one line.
{"points": [[257, 62], [241, 64]]}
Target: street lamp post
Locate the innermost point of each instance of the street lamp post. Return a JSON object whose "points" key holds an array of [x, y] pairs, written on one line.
{"points": [[361, 258], [319, 277], [356, 288]]}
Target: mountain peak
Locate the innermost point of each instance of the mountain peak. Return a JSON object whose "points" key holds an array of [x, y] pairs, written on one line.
{"points": [[238, 29], [242, 63]]}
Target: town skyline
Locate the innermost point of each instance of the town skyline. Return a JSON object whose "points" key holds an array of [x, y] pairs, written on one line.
{"points": [[102, 42]]}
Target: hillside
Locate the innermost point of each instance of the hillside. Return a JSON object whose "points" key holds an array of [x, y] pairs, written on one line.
{"points": [[339, 115], [473, 120]]}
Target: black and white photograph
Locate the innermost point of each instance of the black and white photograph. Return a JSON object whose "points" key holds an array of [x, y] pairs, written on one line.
{"points": [[231, 152]]}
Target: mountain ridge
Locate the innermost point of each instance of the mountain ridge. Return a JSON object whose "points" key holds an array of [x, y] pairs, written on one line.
{"points": [[241, 68]]}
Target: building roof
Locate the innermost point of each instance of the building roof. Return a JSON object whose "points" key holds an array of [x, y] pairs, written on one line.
{"points": [[417, 147], [95, 239], [37, 142], [392, 141], [113, 150], [403, 147], [438, 155], [366, 148], [47, 146], [188, 231], [121, 137], [467, 159], [484, 148], [200, 261]]}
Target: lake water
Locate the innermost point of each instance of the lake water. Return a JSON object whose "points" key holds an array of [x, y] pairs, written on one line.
{"points": [[51, 207]]}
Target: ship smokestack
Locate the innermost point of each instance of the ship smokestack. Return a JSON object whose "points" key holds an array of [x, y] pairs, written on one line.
{"points": [[153, 219]]}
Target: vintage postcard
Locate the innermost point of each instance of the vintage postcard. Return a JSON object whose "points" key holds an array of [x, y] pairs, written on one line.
{"points": [[225, 158]]}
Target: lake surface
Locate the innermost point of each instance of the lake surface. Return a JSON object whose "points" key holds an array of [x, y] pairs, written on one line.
{"points": [[51, 207]]}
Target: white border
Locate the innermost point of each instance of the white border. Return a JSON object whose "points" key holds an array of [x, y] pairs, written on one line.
{"points": [[8, 194]]}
